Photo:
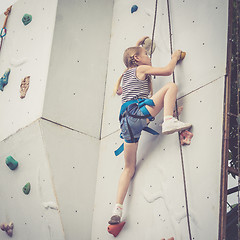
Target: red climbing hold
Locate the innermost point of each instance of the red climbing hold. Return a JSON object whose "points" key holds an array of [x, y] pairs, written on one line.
{"points": [[115, 229], [185, 137]]}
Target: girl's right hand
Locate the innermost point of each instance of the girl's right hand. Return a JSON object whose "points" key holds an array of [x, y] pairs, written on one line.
{"points": [[177, 54]]}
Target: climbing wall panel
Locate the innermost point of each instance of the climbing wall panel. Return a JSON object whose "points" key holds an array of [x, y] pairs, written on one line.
{"points": [[25, 51], [152, 209], [200, 29], [76, 80], [35, 216], [155, 205], [127, 28], [73, 159]]}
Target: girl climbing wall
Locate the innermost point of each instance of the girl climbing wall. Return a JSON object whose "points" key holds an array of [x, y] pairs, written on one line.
{"points": [[138, 109]]}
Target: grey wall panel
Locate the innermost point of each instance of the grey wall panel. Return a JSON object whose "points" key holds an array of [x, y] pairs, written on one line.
{"points": [[73, 160], [76, 80], [28, 213]]}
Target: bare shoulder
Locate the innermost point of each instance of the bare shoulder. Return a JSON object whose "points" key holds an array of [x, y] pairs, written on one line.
{"points": [[141, 71]]}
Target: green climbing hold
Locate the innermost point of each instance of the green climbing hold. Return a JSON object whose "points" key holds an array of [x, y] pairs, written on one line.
{"points": [[27, 18], [26, 188], [4, 79], [11, 162]]}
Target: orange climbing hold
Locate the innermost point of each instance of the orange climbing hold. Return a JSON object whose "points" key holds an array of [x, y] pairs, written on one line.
{"points": [[185, 137], [116, 229]]}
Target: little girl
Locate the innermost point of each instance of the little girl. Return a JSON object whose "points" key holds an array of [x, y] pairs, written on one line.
{"points": [[137, 109]]}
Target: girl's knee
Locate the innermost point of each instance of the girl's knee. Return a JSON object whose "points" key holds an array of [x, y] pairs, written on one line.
{"points": [[130, 171], [172, 85]]}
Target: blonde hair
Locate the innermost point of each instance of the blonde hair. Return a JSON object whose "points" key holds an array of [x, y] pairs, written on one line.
{"points": [[130, 62]]}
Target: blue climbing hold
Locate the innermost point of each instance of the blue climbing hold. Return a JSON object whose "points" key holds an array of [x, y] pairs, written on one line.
{"points": [[4, 79], [134, 8]]}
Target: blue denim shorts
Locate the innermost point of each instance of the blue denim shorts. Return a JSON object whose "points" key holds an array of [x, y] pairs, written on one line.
{"points": [[136, 124]]}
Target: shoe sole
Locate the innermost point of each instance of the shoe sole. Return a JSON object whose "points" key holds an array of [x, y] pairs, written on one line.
{"points": [[176, 130]]}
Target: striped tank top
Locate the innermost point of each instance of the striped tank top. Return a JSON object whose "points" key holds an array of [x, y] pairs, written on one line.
{"points": [[132, 87]]}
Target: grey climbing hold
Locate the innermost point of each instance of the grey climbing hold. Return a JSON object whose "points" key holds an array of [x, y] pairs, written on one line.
{"points": [[11, 162], [134, 8], [147, 45], [26, 188], [27, 18], [4, 79], [8, 228]]}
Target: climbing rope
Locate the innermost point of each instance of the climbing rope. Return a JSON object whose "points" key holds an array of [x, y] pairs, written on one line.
{"points": [[183, 171], [4, 29], [154, 25]]}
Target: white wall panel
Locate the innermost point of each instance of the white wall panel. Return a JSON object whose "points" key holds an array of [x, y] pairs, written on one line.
{"points": [[73, 160], [31, 219], [127, 28], [151, 209], [76, 80], [31, 45], [200, 29], [203, 157], [155, 204]]}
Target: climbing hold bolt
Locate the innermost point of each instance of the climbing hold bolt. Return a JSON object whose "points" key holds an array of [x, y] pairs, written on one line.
{"points": [[8, 228], [26, 188], [4, 79], [24, 86], [134, 8], [27, 18], [11, 162], [147, 45], [185, 137], [116, 229]]}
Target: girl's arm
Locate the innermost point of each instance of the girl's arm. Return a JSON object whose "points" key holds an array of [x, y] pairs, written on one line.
{"points": [[161, 71]]}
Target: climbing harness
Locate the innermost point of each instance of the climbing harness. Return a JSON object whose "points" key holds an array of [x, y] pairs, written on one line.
{"points": [[124, 114], [4, 29], [183, 171]]}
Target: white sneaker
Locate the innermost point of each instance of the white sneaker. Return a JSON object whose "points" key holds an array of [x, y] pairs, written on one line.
{"points": [[173, 125]]}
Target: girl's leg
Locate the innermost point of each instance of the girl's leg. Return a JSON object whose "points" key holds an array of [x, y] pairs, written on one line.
{"points": [[165, 97], [130, 154], [130, 150]]}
